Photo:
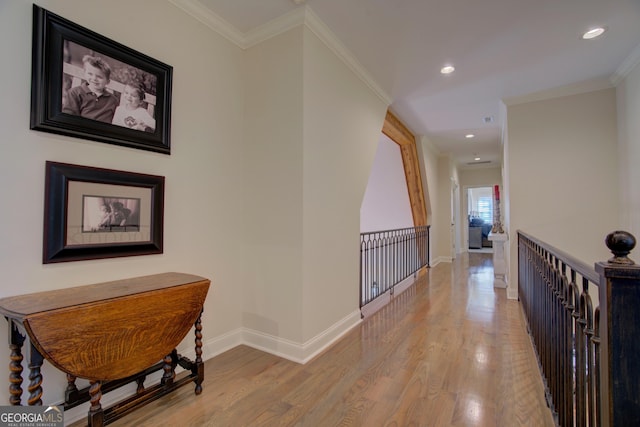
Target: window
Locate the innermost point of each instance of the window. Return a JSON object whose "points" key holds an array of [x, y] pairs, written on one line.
{"points": [[485, 209], [480, 204]]}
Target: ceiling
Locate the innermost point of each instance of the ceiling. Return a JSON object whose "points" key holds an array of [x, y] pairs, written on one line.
{"points": [[504, 51]]}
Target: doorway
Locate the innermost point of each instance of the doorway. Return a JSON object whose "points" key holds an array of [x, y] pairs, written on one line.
{"points": [[479, 219]]}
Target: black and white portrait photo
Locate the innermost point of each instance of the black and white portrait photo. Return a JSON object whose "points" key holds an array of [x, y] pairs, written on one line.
{"points": [[98, 87], [110, 214], [88, 86]]}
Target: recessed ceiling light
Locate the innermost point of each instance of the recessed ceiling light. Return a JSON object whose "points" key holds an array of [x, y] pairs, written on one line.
{"points": [[476, 158], [469, 136], [447, 69], [593, 33]]}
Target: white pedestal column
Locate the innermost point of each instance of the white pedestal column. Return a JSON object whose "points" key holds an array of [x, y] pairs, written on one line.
{"points": [[499, 261]]}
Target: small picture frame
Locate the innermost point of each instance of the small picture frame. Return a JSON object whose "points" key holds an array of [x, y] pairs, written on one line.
{"points": [[88, 86], [94, 213]]}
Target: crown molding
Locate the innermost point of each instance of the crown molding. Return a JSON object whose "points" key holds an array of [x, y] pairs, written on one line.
{"points": [[585, 86], [299, 16], [320, 29], [626, 67], [211, 20], [277, 26]]}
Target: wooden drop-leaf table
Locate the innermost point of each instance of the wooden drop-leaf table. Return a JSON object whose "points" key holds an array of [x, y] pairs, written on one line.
{"points": [[111, 334]]}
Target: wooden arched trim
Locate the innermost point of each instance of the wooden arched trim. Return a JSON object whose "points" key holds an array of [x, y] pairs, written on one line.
{"points": [[399, 133]]}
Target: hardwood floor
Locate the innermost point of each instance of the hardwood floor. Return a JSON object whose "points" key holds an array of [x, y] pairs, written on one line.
{"points": [[449, 351]]}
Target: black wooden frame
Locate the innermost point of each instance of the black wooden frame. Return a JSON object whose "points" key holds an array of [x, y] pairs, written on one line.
{"points": [[49, 33], [56, 209]]}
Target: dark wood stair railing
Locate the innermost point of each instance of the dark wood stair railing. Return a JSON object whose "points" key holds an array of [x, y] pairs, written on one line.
{"points": [[585, 326]]}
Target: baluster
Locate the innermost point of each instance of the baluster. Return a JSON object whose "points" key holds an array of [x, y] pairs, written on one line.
{"points": [[595, 402], [565, 359], [377, 260], [580, 361], [589, 364], [574, 298]]}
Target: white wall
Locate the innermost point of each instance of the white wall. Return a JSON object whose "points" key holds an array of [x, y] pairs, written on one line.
{"points": [[304, 180], [273, 186], [563, 176], [443, 246], [628, 107], [439, 176], [386, 203], [343, 119], [271, 150], [485, 177], [203, 205], [429, 156]]}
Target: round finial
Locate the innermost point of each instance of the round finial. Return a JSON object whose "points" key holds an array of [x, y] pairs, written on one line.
{"points": [[620, 243]]}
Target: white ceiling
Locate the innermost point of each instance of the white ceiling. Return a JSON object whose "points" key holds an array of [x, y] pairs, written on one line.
{"points": [[503, 50]]}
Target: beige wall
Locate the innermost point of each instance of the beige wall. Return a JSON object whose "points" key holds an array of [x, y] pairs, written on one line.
{"points": [[628, 107], [563, 176], [342, 123], [262, 196], [485, 177], [429, 155], [273, 129], [443, 246], [439, 178], [203, 213]]}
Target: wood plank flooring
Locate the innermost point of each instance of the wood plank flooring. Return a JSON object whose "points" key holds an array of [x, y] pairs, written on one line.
{"points": [[449, 351]]}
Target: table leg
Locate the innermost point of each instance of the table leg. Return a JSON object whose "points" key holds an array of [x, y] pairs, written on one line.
{"points": [[140, 382], [71, 393], [35, 377], [96, 414], [15, 366], [169, 373], [198, 362]]}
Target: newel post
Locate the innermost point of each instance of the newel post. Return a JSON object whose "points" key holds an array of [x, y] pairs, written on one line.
{"points": [[619, 293]]}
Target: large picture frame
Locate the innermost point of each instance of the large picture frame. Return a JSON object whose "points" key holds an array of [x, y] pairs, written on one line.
{"points": [[93, 213], [88, 86]]}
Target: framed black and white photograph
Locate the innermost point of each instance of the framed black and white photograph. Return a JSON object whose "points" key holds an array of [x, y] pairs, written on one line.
{"points": [[93, 213], [88, 86]]}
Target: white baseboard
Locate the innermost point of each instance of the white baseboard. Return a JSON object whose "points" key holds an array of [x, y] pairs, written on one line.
{"points": [[220, 344], [440, 259], [296, 352], [290, 350], [386, 298]]}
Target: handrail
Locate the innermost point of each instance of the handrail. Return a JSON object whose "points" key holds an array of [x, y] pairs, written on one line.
{"points": [[387, 257], [587, 359], [578, 266]]}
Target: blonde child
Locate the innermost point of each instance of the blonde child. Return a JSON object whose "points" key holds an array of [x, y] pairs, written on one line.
{"points": [[91, 99], [131, 113]]}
